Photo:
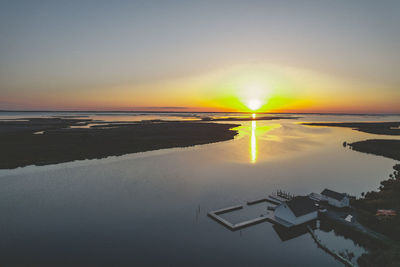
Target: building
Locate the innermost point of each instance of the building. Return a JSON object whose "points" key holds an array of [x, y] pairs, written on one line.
{"points": [[299, 210], [336, 199], [385, 213]]}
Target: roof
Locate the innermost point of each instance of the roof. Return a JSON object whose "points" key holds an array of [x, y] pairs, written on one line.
{"points": [[333, 194], [301, 205], [386, 213]]}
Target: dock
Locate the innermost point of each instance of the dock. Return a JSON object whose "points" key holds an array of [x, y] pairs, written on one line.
{"points": [[256, 201], [228, 209], [269, 217], [275, 199], [215, 215], [264, 199]]}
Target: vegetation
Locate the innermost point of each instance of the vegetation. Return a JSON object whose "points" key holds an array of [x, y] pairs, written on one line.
{"points": [[57, 142], [382, 147], [388, 197]]}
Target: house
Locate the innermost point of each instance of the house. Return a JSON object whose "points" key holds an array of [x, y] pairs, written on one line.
{"points": [[336, 199], [298, 210]]}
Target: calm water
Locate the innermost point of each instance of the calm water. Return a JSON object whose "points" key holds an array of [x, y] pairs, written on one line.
{"points": [[151, 208]]}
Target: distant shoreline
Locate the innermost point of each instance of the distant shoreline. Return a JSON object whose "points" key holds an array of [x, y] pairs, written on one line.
{"points": [[185, 111], [383, 128]]}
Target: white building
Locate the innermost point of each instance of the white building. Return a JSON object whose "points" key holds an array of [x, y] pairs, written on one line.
{"points": [[297, 211], [336, 199]]}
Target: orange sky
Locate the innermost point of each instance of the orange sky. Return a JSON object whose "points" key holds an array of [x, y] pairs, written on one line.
{"points": [[284, 57], [276, 88]]}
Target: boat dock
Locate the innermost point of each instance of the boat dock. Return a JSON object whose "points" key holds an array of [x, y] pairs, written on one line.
{"points": [[274, 199], [269, 217], [264, 199]]}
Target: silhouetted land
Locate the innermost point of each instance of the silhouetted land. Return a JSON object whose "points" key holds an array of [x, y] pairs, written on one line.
{"points": [[58, 143], [382, 147], [388, 197], [386, 128], [265, 118]]}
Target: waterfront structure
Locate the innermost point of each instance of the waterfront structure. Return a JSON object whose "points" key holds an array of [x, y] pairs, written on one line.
{"points": [[298, 210], [336, 199]]}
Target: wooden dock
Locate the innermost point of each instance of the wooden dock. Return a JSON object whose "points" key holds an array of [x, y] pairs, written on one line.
{"points": [[275, 199], [256, 201], [264, 199], [228, 209], [269, 217]]}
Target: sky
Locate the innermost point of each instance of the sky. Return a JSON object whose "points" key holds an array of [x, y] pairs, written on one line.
{"points": [[271, 56]]}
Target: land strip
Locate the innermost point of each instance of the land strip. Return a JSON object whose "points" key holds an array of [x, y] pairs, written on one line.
{"points": [[264, 118], [42, 141], [384, 128], [381, 147]]}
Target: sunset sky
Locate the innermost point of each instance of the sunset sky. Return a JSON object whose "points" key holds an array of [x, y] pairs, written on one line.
{"points": [[274, 56]]}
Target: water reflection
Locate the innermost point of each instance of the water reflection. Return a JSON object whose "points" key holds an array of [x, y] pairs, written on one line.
{"points": [[127, 202], [253, 142]]}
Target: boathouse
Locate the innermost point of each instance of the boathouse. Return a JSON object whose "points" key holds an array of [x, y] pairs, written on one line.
{"points": [[298, 210], [336, 199]]}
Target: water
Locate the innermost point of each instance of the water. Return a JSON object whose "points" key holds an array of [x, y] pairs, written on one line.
{"points": [[150, 209]]}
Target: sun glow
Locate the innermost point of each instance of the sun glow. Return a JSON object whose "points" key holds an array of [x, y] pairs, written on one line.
{"points": [[254, 104], [254, 96]]}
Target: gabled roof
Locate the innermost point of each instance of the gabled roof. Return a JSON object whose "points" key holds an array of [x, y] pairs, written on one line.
{"points": [[301, 205], [333, 194]]}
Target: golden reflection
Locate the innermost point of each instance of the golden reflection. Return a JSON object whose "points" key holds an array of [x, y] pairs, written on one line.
{"points": [[253, 143]]}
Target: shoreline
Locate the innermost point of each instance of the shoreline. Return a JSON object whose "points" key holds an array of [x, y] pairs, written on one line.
{"points": [[383, 128], [381, 252], [388, 148], [44, 141]]}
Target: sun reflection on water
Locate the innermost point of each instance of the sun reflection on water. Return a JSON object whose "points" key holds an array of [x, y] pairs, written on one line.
{"points": [[253, 143]]}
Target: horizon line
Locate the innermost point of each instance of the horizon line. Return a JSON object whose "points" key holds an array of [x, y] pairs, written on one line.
{"points": [[180, 111]]}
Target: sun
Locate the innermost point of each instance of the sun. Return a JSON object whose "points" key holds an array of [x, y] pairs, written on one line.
{"points": [[254, 95], [254, 104]]}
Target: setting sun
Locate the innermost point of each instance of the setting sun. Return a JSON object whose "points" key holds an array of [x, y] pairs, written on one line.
{"points": [[254, 104]]}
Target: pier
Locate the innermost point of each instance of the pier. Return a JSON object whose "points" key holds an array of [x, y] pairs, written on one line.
{"points": [[269, 217], [264, 199], [279, 201], [275, 199]]}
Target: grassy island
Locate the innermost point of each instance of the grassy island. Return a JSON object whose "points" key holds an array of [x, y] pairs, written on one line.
{"points": [[42, 141], [380, 147]]}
